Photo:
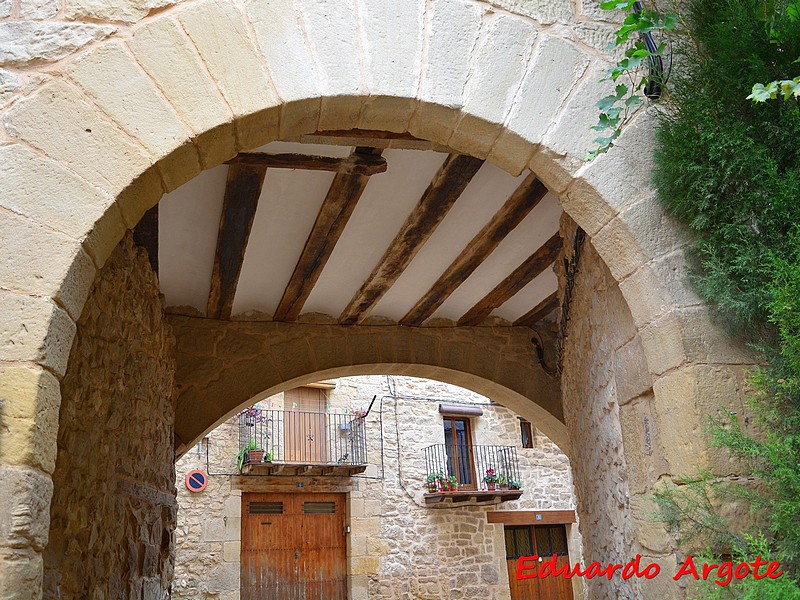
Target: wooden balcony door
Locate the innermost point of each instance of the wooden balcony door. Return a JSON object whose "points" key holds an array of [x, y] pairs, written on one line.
{"points": [[305, 426], [544, 540], [293, 546], [458, 447]]}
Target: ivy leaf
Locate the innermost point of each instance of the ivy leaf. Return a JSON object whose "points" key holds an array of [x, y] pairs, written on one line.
{"points": [[759, 93], [617, 4], [633, 102]]}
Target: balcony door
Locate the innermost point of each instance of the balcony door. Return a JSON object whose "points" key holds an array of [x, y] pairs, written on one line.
{"points": [[305, 426], [458, 446]]}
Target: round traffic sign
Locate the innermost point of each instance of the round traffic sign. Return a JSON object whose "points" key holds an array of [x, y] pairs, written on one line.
{"points": [[196, 480]]}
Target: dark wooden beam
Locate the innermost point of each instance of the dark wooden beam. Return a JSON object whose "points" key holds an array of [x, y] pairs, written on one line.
{"points": [[447, 185], [332, 218], [533, 266], [368, 134], [145, 234], [538, 312], [531, 517], [516, 208], [355, 164], [238, 211]]}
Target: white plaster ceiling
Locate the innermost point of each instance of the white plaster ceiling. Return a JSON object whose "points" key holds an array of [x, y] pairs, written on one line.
{"points": [[189, 219]]}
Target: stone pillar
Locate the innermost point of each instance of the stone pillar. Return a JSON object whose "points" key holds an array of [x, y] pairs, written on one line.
{"points": [[113, 509]]}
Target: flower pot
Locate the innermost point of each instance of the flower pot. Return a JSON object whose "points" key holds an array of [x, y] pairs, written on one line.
{"points": [[503, 486], [256, 456], [491, 486], [432, 488]]}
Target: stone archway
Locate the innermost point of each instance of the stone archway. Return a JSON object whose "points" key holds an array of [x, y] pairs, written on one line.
{"points": [[85, 156]]}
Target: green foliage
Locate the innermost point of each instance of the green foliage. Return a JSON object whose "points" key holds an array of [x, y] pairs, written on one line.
{"points": [[729, 168], [779, 18], [630, 74], [782, 588]]}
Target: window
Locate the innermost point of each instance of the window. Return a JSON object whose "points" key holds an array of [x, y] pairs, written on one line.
{"points": [[527, 540], [458, 446], [519, 542], [527, 433]]}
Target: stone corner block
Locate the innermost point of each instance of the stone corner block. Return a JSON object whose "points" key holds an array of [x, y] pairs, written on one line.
{"points": [[35, 329]]}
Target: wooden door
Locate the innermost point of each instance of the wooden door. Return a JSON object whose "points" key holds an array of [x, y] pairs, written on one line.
{"points": [[544, 540], [305, 426], [293, 547]]}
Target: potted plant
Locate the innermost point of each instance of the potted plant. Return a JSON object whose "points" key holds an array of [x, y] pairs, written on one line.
{"points": [[452, 483], [502, 481], [432, 481], [250, 453], [490, 479], [513, 484], [444, 484]]}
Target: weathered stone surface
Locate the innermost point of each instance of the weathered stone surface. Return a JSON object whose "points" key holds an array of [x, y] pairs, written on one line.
{"points": [[392, 36], [500, 59], [25, 498], [137, 105], [29, 414], [34, 329], [114, 496], [120, 10], [396, 545], [21, 574], [592, 414], [332, 30], [44, 263], [553, 72], [29, 42], [9, 83], [169, 59], [544, 11], [59, 120], [38, 9], [5, 8], [43, 190], [290, 62], [446, 67], [218, 31]]}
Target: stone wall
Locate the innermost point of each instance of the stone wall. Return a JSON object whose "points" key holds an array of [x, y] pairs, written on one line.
{"points": [[599, 325], [113, 508], [397, 548]]}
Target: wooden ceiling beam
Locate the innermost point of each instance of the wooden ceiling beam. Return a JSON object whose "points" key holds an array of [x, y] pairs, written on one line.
{"points": [[242, 191], [355, 164], [335, 212], [524, 199], [533, 266], [447, 185], [538, 312]]}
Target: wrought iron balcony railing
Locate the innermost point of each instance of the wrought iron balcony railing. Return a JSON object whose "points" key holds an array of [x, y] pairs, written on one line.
{"points": [[470, 465], [290, 437]]}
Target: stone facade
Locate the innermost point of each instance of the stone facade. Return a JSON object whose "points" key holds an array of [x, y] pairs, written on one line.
{"points": [[398, 547], [85, 83], [113, 511]]}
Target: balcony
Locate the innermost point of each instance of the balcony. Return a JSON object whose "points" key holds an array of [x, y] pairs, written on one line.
{"points": [[289, 442], [471, 465]]}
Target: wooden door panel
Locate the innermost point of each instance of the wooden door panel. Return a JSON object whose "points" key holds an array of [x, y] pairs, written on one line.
{"points": [[295, 553]]}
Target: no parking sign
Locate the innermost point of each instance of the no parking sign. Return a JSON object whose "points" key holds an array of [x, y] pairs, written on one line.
{"points": [[196, 480]]}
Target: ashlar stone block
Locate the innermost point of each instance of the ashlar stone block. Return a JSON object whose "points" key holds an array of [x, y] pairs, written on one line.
{"points": [[59, 121], [44, 191], [45, 263], [169, 58], [35, 329]]}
